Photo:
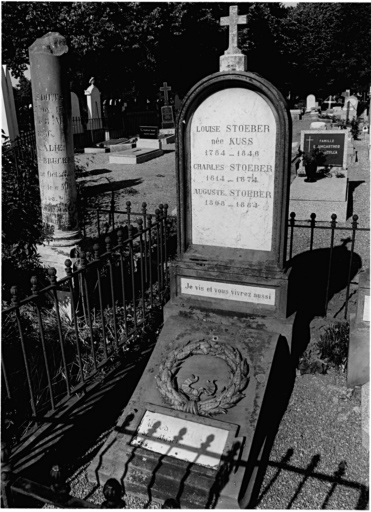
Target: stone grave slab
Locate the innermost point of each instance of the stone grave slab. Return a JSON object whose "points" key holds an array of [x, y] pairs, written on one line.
{"points": [[165, 452], [135, 156], [323, 197], [93, 150]]}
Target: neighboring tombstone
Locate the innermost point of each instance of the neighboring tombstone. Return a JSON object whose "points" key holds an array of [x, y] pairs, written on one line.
{"points": [[327, 196], [330, 100], [77, 125], [54, 140], [318, 125], [331, 142], [311, 102], [93, 100], [9, 123], [167, 115], [295, 114], [233, 176], [350, 108]]}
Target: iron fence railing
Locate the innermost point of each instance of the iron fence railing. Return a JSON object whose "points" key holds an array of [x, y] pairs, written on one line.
{"points": [[22, 149], [313, 226], [51, 350]]}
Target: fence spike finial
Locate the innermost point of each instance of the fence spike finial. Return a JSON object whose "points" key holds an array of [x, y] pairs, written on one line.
{"points": [[34, 287], [107, 241], [14, 294], [68, 266], [52, 274], [96, 249]]}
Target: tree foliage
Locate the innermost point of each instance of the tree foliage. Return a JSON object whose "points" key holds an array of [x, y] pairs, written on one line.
{"points": [[22, 225], [132, 47]]}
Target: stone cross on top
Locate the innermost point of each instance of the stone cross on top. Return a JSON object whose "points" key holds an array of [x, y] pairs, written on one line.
{"points": [[233, 20], [233, 59], [165, 88]]}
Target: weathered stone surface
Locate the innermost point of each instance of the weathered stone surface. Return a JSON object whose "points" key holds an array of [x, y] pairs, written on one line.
{"points": [[162, 476], [54, 139], [233, 149], [149, 143]]}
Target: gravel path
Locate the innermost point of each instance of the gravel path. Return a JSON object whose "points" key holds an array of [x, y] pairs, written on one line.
{"points": [[317, 460]]}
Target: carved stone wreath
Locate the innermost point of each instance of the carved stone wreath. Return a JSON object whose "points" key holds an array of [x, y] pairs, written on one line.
{"points": [[187, 398]]}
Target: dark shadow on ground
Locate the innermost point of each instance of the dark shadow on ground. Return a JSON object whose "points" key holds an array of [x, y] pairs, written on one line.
{"points": [[102, 188], [311, 285], [94, 172], [352, 186], [80, 429]]}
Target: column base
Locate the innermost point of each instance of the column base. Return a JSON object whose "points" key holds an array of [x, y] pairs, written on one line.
{"points": [[66, 238]]}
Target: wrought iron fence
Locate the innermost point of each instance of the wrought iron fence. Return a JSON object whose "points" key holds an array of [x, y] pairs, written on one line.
{"points": [[22, 149], [59, 339], [350, 259]]}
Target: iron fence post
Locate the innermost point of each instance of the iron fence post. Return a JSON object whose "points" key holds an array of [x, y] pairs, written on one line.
{"points": [[354, 229], [333, 227]]}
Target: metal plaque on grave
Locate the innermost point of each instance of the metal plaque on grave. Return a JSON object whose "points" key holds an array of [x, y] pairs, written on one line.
{"points": [[333, 143]]}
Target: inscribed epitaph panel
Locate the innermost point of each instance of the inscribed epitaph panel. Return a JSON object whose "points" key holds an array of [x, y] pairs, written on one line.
{"points": [[233, 136]]}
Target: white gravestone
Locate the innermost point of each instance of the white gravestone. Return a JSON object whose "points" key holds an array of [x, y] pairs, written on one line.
{"points": [[9, 123], [311, 102], [318, 125], [92, 94], [233, 168]]}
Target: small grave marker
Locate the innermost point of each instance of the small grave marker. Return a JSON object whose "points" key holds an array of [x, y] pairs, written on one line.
{"points": [[148, 132], [332, 143]]}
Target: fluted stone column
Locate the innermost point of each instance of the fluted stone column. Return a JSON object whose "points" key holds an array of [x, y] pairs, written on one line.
{"points": [[54, 136]]}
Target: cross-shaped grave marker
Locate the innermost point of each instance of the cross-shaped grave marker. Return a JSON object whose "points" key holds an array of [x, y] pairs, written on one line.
{"points": [[309, 139], [233, 20], [165, 88], [330, 100]]}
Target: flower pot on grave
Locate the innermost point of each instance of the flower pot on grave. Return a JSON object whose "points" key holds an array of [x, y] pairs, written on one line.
{"points": [[310, 171]]}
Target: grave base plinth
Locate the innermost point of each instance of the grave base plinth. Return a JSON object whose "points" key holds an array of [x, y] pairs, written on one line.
{"points": [[158, 452], [135, 156]]}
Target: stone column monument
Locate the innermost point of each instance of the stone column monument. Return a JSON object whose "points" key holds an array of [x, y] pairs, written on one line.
{"points": [[54, 138]]}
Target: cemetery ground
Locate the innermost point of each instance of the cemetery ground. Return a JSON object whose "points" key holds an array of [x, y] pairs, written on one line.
{"points": [[317, 459]]}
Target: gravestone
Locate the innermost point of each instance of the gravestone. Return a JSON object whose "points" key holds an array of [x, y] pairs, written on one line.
{"points": [[349, 111], [9, 123], [332, 143], [330, 100], [54, 140], [311, 102], [196, 425], [93, 101], [330, 194], [167, 115]]}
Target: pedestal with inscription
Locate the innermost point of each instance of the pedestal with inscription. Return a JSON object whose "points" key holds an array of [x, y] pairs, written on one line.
{"points": [[54, 138], [200, 422]]}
